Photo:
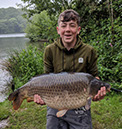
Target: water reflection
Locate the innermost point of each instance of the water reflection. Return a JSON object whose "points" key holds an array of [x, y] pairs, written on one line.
{"points": [[7, 45], [12, 35]]}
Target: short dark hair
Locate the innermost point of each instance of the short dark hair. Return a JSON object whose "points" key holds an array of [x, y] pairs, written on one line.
{"points": [[69, 15]]}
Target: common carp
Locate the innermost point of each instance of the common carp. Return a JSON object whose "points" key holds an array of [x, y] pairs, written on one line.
{"points": [[60, 91]]}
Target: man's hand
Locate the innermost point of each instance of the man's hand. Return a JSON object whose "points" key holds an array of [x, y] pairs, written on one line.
{"points": [[38, 100], [100, 95]]}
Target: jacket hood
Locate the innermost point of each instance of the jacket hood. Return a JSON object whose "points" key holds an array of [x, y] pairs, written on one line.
{"points": [[72, 51], [59, 43]]}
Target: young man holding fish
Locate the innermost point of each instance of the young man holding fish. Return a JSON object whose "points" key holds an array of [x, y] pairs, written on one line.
{"points": [[70, 54]]}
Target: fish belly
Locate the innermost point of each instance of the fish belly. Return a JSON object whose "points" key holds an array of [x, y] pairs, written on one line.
{"points": [[65, 100]]}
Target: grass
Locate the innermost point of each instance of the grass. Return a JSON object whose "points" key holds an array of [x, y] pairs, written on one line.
{"points": [[29, 116], [106, 114]]}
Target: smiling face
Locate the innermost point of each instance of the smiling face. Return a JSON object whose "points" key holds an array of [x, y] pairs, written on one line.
{"points": [[68, 32]]}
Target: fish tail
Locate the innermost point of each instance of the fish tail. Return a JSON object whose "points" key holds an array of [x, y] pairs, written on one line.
{"points": [[17, 100]]}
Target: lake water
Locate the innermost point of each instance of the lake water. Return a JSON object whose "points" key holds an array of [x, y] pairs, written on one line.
{"points": [[9, 42]]}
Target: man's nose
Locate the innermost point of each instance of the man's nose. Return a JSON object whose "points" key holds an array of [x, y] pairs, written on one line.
{"points": [[67, 28]]}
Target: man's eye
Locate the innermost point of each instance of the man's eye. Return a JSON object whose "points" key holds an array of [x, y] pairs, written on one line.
{"points": [[72, 25], [63, 26]]}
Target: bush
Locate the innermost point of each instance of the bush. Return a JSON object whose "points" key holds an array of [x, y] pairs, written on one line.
{"points": [[25, 64], [41, 27], [108, 47]]}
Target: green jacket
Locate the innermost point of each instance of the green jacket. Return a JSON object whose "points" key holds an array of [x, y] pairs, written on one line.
{"points": [[81, 58]]}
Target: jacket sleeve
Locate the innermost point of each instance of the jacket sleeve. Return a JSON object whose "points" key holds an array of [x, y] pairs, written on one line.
{"points": [[48, 59], [92, 63]]}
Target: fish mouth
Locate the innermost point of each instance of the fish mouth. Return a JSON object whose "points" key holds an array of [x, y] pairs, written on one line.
{"points": [[109, 88]]}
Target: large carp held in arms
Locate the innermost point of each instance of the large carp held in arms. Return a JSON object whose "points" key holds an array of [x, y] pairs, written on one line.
{"points": [[62, 91]]}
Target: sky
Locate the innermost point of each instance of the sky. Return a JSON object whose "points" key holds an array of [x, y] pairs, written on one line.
{"points": [[9, 3]]}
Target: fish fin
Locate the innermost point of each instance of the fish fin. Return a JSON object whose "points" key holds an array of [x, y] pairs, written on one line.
{"points": [[29, 99], [61, 113], [88, 103], [17, 103], [17, 100]]}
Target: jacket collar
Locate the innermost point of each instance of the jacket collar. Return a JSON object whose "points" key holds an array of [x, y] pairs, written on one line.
{"points": [[59, 43]]}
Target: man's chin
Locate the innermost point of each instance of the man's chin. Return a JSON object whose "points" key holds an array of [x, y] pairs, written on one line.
{"points": [[67, 40]]}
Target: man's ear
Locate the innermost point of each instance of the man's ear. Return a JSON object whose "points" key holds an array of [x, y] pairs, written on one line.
{"points": [[79, 28], [57, 30]]}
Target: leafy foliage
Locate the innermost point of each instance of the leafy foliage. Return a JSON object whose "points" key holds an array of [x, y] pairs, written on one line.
{"points": [[91, 11], [25, 64], [110, 58], [11, 21], [41, 27]]}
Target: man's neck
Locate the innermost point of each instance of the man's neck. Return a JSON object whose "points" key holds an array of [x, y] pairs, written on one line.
{"points": [[68, 46]]}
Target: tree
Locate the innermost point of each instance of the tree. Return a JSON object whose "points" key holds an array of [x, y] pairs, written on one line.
{"points": [[41, 27], [11, 21], [3, 27], [92, 12]]}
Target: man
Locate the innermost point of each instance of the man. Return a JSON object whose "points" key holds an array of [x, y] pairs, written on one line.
{"points": [[69, 54]]}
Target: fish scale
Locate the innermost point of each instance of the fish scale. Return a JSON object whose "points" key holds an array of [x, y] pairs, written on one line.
{"points": [[62, 91]]}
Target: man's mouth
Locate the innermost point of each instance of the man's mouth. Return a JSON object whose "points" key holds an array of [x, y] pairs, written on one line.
{"points": [[68, 36]]}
